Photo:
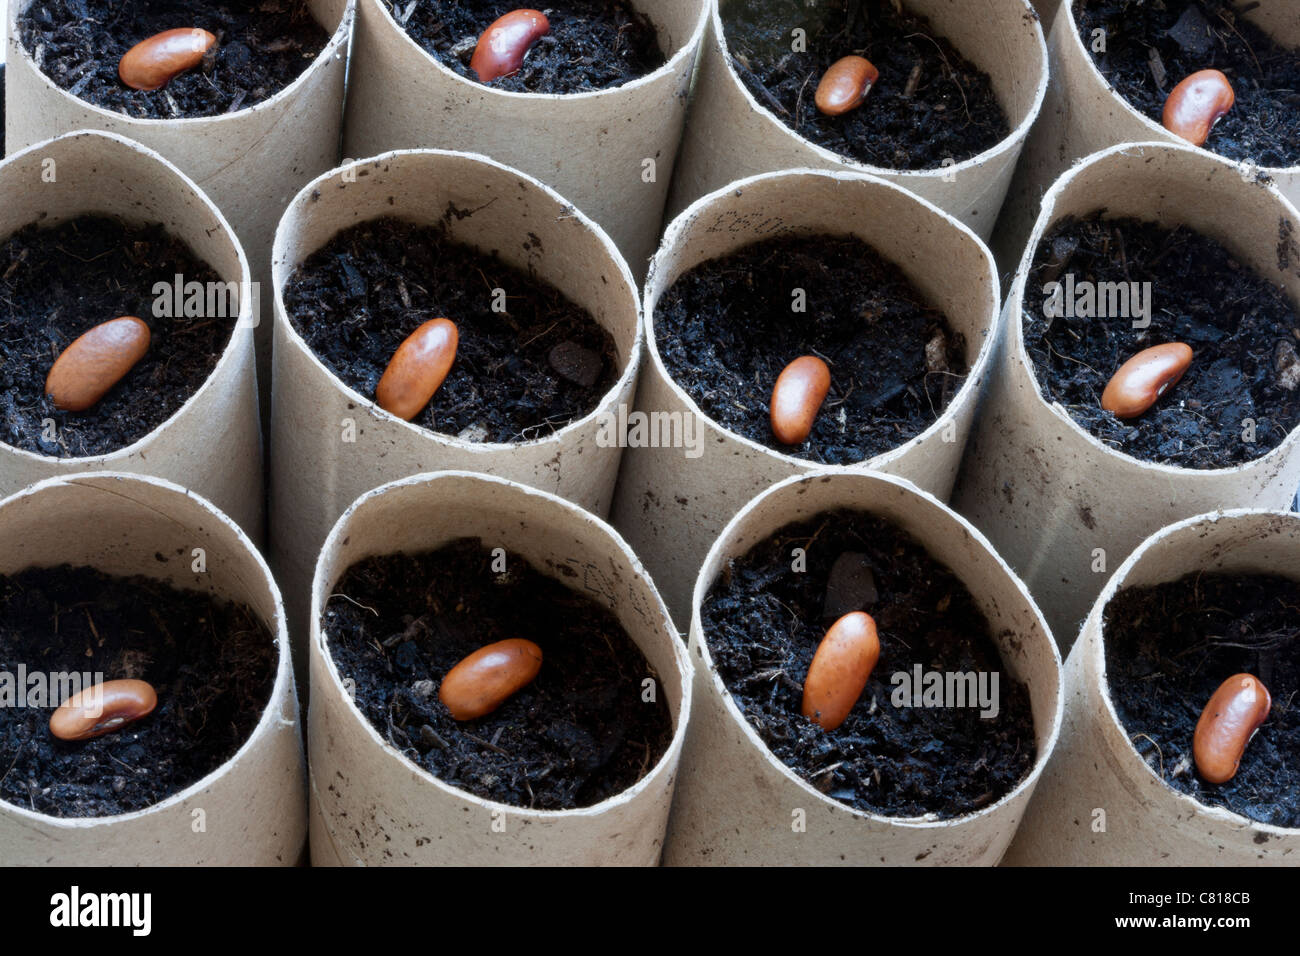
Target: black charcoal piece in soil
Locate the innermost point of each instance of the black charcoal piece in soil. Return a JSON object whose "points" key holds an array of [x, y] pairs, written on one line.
{"points": [[211, 662], [262, 47], [1242, 330], [727, 328], [763, 622], [579, 733], [1151, 47], [55, 284], [930, 105], [358, 297], [592, 45], [1169, 647]]}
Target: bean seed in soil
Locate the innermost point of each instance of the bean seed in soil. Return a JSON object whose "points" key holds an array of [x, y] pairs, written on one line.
{"points": [[763, 623], [578, 733], [1239, 325], [1169, 647], [728, 327]]}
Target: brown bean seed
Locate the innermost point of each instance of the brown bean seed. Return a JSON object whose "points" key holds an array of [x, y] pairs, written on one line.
{"points": [[797, 398], [418, 368], [95, 362], [1229, 720], [102, 709], [839, 671], [503, 45], [1144, 378], [483, 681], [845, 85], [153, 63], [1196, 104]]}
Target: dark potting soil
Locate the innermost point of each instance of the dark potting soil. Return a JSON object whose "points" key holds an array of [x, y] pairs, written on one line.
{"points": [[55, 284], [1243, 332], [576, 735], [929, 105], [1169, 647], [262, 47], [593, 44], [211, 662], [1152, 47], [519, 375], [763, 622], [727, 328]]}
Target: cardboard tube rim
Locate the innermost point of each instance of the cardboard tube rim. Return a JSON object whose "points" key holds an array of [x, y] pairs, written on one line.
{"points": [[1016, 135], [1071, 25], [282, 268], [282, 686], [239, 336], [1013, 311], [706, 667], [975, 375], [337, 41], [1096, 669], [687, 48], [317, 645]]}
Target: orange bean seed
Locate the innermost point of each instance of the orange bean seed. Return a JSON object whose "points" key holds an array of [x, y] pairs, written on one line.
{"points": [[1144, 378], [1229, 720], [153, 63], [797, 398], [503, 45], [101, 709], [418, 368], [95, 362], [1196, 104], [481, 682], [839, 671], [845, 85]]}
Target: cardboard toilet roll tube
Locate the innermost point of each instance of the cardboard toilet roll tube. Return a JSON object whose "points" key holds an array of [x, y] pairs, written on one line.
{"points": [[251, 162], [332, 443], [609, 152], [212, 444], [735, 800], [1049, 494], [253, 804], [1147, 822], [672, 502], [1083, 114], [731, 135], [370, 805]]}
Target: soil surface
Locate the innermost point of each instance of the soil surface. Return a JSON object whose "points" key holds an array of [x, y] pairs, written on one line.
{"points": [[262, 47], [593, 44], [576, 735], [1243, 332], [1169, 647], [727, 328], [948, 112], [763, 622], [1152, 47], [211, 662], [55, 284], [519, 375]]}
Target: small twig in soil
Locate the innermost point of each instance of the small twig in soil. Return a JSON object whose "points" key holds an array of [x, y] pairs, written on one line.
{"points": [[364, 607], [486, 743], [1160, 753]]}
